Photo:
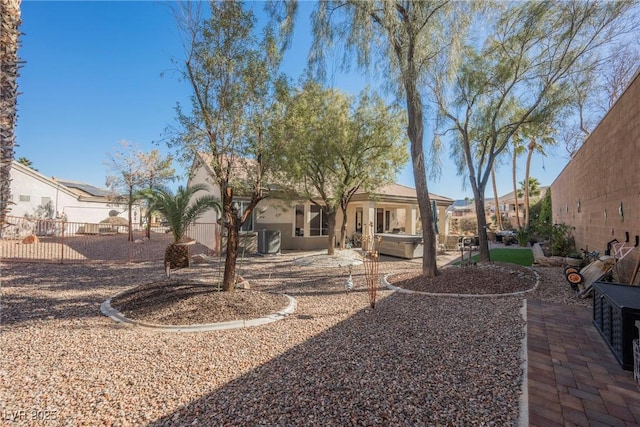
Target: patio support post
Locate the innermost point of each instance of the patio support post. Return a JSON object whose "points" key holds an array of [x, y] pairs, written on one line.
{"points": [[411, 220], [368, 217]]}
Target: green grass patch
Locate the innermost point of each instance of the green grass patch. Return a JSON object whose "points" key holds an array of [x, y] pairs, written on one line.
{"points": [[521, 256]]}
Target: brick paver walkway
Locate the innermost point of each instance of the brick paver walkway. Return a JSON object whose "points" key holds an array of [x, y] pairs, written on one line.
{"points": [[573, 378]]}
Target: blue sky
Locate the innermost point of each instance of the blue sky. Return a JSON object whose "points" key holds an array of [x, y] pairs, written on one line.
{"points": [[100, 72]]}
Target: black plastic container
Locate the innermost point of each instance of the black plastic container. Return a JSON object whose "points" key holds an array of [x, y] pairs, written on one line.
{"points": [[616, 307]]}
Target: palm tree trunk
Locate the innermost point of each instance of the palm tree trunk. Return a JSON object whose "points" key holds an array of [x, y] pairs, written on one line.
{"points": [[9, 37], [495, 197], [148, 227], [515, 187], [532, 146]]}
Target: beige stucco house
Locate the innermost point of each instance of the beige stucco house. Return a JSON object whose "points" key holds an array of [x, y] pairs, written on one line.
{"points": [[392, 209]]}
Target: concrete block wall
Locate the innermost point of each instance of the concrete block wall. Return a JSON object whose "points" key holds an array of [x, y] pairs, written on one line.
{"points": [[598, 192]]}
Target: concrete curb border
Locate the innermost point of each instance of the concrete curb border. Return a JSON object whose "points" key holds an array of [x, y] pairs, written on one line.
{"points": [[116, 316], [523, 415], [388, 285]]}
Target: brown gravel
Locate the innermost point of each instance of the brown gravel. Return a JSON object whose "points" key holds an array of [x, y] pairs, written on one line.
{"points": [[189, 303], [413, 360], [483, 278]]}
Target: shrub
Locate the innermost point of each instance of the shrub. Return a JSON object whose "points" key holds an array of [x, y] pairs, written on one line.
{"points": [[562, 241]]}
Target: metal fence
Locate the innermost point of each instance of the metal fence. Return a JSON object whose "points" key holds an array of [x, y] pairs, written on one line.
{"points": [[55, 241]]}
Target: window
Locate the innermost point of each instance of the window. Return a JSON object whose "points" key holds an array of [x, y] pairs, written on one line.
{"points": [[379, 220], [24, 198], [318, 224], [248, 225], [358, 220], [299, 221]]}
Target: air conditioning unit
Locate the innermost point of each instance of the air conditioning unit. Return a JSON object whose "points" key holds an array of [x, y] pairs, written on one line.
{"points": [[269, 241]]}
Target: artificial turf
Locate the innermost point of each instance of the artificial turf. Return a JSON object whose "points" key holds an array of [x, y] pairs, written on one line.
{"points": [[520, 256]]}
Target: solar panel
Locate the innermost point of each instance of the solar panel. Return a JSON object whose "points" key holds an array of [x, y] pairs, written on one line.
{"points": [[87, 188]]}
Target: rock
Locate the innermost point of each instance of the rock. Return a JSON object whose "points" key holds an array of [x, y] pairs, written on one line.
{"points": [[199, 258], [241, 283], [540, 259], [31, 239]]}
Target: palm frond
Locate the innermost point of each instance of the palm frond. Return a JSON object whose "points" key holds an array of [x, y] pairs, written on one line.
{"points": [[179, 210]]}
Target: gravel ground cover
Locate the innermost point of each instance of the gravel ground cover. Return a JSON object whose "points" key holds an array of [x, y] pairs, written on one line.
{"points": [[484, 278], [413, 360]]}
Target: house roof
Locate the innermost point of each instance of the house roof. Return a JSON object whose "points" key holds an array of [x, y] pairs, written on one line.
{"points": [[40, 177], [400, 192], [80, 190], [461, 205], [88, 189], [509, 197], [389, 192]]}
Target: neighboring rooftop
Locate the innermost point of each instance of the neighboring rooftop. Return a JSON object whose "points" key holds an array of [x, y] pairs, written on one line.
{"points": [[83, 189]]}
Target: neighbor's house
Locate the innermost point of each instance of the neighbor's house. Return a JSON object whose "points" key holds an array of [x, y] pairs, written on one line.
{"points": [[36, 195], [507, 206], [391, 209]]}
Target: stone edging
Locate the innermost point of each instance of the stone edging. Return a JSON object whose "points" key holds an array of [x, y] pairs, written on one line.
{"points": [[388, 285], [115, 315]]}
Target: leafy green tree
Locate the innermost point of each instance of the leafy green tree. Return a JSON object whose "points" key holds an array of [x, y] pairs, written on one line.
{"points": [[180, 211], [233, 77], [403, 39], [518, 75], [338, 146], [546, 212]]}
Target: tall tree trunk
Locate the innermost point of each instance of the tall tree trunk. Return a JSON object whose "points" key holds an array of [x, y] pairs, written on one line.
{"points": [[232, 222], [331, 232], [343, 229], [483, 241], [415, 132], [129, 216], [532, 146], [495, 197], [9, 36], [515, 186]]}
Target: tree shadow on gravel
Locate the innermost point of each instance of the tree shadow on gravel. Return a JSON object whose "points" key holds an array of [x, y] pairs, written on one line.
{"points": [[413, 360], [160, 295], [68, 291]]}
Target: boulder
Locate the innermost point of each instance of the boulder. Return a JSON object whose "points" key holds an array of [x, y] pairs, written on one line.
{"points": [[30, 240]]}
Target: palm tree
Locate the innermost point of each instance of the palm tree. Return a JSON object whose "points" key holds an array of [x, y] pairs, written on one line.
{"points": [[530, 187], [26, 162], [496, 199], [9, 36], [180, 212], [517, 149]]}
